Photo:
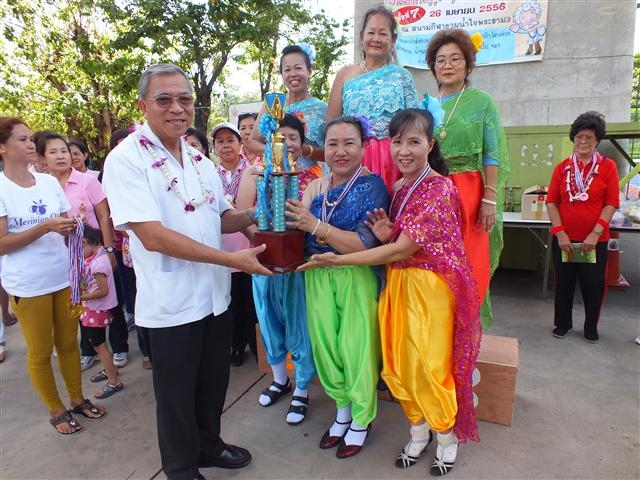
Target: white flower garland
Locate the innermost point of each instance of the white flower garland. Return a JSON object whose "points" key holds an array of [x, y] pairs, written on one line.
{"points": [[161, 164]]}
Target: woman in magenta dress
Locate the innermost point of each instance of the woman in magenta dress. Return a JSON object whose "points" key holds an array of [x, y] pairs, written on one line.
{"points": [[429, 309]]}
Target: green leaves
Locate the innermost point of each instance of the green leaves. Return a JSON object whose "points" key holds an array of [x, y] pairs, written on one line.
{"points": [[62, 74], [73, 65], [201, 36]]}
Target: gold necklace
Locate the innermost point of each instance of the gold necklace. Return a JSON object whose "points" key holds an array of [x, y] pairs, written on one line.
{"points": [[443, 132]]}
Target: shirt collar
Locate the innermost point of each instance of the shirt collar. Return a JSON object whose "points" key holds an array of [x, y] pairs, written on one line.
{"points": [[147, 132], [239, 166], [75, 176]]}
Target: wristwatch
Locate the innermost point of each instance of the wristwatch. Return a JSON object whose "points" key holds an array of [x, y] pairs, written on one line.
{"points": [[110, 249]]}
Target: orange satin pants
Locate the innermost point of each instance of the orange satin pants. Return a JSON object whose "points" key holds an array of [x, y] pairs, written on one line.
{"points": [[416, 313]]}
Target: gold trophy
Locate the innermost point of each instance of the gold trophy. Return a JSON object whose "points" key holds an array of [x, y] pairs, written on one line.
{"points": [[278, 182]]}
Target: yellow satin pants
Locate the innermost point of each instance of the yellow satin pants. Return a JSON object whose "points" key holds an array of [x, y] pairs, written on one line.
{"points": [[45, 322], [416, 312]]}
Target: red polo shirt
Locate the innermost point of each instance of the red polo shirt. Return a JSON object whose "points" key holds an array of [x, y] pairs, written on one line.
{"points": [[578, 217]]}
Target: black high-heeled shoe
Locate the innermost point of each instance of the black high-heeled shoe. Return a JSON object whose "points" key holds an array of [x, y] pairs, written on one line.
{"points": [[408, 456], [444, 460]]}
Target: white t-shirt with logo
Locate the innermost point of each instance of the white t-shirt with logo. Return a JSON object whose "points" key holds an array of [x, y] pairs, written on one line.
{"points": [[42, 266]]}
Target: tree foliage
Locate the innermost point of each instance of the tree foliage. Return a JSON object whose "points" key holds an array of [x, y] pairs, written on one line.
{"points": [[327, 36], [634, 147], [200, 37], [73, 65], [635, 95], [58, 72], [223, 102]]}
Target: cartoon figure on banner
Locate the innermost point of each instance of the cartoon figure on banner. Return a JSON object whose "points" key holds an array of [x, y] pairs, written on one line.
{"points": [[526, 20]]}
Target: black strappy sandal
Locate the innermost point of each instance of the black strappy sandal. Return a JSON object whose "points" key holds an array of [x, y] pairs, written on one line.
{"points": [[275, 395], [299, 409], [404, 460]]}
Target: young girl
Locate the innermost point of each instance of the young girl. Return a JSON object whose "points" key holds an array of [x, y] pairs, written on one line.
{"points": [[429, 310], [98, 298]]}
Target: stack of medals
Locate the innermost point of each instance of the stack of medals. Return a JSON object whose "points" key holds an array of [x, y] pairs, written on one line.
{"points": [[582, 184]]}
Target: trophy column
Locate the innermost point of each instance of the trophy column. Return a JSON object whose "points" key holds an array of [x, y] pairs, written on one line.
{"points": [[279, 182]]}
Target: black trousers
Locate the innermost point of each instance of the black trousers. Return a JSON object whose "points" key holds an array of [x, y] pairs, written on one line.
{"points": [[190, 379], [143, 341], [243, 311], [592, 278], [127, 277]]}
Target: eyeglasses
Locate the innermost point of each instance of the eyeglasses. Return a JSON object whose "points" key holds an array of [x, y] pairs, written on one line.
{"points": [[455, 61], [165, 101], [584, 138]]}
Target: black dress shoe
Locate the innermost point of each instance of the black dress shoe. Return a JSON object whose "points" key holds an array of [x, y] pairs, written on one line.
{"points": [[237, 358], [230, 457]]}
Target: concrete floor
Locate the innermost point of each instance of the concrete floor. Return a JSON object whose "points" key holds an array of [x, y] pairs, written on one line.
{"points": [[576, 415]]}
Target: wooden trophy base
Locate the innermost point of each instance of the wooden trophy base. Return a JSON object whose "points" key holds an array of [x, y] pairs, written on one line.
{"points": [[284, 252]]}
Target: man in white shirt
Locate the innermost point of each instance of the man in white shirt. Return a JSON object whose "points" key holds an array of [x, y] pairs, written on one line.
{"points": [[172, 204]]}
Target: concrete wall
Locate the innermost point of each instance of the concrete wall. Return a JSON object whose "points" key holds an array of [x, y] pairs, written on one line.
{"points": [[587, 65]]}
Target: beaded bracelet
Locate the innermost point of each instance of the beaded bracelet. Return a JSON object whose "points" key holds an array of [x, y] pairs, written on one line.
{"points": [[556, 230], [489, 187], [489, 202]]}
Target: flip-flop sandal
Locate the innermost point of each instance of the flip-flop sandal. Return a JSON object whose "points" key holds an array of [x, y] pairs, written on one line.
{"points": [[87, 406], [65, 417], [109, 390], [9, 320], [101, 376]]}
